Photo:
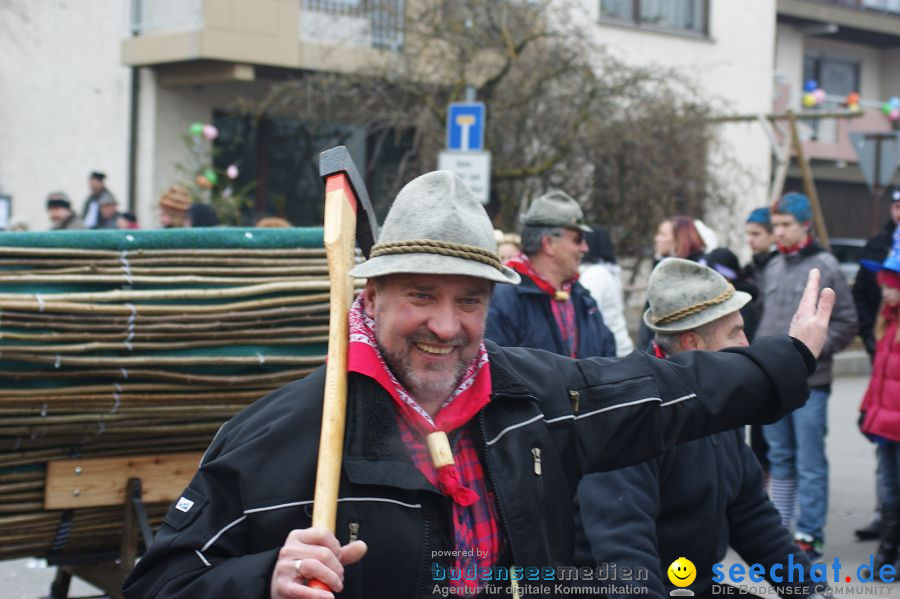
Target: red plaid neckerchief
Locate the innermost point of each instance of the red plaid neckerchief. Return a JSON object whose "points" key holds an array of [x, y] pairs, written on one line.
{"points": [[476, 535], [793, 249], [470, 396], [561, 303]]}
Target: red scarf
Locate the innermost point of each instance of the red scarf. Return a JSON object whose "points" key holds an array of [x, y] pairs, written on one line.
{"points": [[793, 249], [561, 302], [470, 396]]}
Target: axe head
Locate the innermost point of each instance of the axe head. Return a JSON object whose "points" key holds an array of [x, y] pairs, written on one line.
{"points": [[337, 161]]}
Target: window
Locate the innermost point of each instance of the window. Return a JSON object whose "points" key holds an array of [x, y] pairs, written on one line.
{"points": [[838, 77], [679, 15]]}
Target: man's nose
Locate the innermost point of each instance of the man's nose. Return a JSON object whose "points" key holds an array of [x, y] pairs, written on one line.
{"points": [[444, 323]]}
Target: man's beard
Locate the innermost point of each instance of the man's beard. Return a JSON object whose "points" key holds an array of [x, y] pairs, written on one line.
{"points": [[424, 387]]}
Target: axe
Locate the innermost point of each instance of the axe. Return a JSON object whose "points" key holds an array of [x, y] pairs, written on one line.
{"points": [[349, 219]]}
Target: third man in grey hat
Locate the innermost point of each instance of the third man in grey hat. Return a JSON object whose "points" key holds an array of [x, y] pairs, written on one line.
{"points": [[698, 497], [549, 309]]}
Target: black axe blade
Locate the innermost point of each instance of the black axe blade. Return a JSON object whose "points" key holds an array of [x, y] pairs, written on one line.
{"points": [[335, 161]]}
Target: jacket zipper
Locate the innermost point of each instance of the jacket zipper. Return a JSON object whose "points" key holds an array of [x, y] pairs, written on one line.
{"points": [[538, 473], [536, 454], [423, 578]]}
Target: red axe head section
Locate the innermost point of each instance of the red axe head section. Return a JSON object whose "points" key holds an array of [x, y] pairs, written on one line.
{"points": [[337, 170]]}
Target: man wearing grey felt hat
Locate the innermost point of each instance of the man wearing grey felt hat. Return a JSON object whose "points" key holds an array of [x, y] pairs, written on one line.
{"points": [[549, 309], [691, 306], [700, 497], [420, 375]]}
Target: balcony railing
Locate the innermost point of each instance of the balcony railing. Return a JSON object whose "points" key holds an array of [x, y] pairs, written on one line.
{"points": [[383, 19], [889, 6], [165, 15]]}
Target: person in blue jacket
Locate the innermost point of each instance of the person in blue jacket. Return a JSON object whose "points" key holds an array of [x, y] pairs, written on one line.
{"points": [[549, 309]]}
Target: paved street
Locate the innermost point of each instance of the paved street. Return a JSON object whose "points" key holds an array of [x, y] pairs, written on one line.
{"points": [[852, 499]]}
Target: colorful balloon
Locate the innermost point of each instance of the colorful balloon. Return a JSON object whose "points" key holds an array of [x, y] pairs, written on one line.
{"points": [[211, 176], [894, 102], [819, 95], [894, 115], [809, 100], [810, 85], [852, 98], [196, 129], [203, 182], [210, 132], [886, 108], [232, 171]]}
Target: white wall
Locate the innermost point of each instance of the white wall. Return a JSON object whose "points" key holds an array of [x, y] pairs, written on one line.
{"points": [[733, 69], [65, 101]]}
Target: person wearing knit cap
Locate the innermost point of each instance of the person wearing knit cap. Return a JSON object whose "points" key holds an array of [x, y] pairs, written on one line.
{"points": [[460, 457], [60, 213], [173, 207], [880, 408], [798, 463], [762, 244], [699, 497], [550, 309], [867, 297]]}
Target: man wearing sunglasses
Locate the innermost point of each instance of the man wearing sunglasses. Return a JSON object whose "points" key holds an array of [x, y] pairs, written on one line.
{"points": [[549, 309]]}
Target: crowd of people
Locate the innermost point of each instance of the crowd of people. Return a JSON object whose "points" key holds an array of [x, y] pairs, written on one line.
{"points": [[101, 210], [430, 356], [568, 444]]}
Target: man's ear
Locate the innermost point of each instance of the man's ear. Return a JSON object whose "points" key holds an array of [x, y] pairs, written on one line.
{"points": [[369, 297], [547, 244], [691, 341]]}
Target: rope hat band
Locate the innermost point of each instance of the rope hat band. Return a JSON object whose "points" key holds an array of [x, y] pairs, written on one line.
{"points": [[696, 308], [443, 248]]}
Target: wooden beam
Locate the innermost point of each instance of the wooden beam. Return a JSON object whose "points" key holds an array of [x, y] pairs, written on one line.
{"points": [[102, 481], [808, 185]]}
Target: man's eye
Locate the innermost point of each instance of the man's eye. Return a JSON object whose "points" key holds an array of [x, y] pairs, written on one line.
{"points": [[420, 296], [470, 301]]}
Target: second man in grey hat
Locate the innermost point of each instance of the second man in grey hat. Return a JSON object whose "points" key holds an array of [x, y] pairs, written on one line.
{"points": [[549, 309]]}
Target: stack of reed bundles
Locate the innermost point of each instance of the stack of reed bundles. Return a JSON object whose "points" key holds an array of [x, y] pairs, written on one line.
{"points": [[120, 343]]}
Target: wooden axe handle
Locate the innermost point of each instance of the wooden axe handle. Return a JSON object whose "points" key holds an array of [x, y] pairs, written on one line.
{"points": [[340, 243]]}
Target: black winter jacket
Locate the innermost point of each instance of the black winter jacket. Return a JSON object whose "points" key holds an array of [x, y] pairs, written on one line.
{"points": [[255, 482], [521, 316], [866, 292], [692, 501]]}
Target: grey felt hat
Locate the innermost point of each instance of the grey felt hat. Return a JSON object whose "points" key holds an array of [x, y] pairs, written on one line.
{"points": [[436, 227], [555, 209], [684, 295]]}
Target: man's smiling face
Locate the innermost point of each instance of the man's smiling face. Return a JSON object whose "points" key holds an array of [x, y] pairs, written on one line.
{"points": [[429, 328]]}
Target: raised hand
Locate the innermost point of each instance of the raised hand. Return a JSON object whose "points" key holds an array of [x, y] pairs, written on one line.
{"points": [[810, 321]]}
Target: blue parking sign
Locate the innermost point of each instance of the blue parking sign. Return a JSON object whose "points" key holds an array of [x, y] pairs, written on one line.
{"points": [[465, 126]]}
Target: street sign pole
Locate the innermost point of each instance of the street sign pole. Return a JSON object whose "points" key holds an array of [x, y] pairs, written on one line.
{"points": [[465, 154]]}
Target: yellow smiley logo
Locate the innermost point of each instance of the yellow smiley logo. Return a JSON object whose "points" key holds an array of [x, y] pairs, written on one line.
{"points": [[682, 572]]}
